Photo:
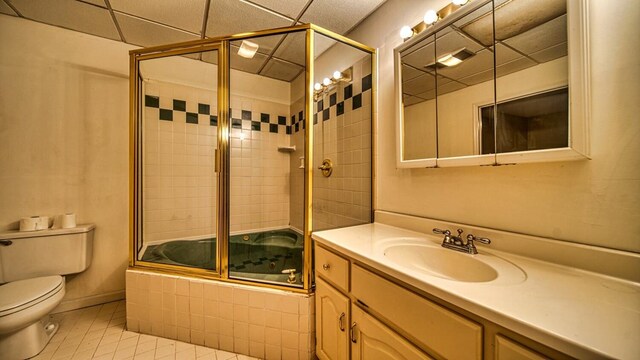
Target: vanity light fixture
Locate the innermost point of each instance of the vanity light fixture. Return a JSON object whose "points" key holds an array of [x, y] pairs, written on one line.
{"points": [[430, 17], [247, 49], [406, 32], [328, 83]]}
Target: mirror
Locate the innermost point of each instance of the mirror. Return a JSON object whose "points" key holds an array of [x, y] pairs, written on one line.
{"points": [[499, 98], [464, 64], [418, 99]]}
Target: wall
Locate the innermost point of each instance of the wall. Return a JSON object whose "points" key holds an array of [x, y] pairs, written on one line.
{"points": [[64, 142], [592, 202]]}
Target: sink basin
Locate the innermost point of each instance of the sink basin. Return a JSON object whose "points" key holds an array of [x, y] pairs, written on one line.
{"points": [[427, 258], [441, 262]]}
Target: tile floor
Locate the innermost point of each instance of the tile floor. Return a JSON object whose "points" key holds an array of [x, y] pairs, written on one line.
{"points": [[98, 332]]}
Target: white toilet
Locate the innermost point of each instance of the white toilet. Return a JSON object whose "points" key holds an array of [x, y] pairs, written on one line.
{"points": [[31, 265]]}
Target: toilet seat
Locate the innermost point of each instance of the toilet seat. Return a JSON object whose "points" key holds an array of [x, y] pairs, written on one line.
{"points": [[22, 294]]}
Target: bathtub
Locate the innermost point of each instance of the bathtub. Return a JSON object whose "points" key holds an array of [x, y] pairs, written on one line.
{"points": [[257, 256]]}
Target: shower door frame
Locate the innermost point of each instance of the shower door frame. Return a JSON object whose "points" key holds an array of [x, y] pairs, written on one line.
{"points": [[222, 154]]}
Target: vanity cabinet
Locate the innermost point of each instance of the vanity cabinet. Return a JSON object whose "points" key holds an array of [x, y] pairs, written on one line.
{"points": [[332, 316], [363, 314]]}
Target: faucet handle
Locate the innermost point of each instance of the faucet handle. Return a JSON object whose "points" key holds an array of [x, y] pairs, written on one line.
{"points": [[443, 232], [483, 240]]}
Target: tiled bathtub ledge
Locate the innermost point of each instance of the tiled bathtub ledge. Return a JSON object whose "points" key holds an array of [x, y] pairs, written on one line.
{"points": [[248, 320]]}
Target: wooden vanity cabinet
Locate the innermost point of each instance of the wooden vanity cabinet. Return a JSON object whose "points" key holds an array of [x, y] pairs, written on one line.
{"points": [[361, 314]]}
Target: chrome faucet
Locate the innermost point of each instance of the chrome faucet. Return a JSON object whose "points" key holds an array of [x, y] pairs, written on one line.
{"points": [[455, 242]]}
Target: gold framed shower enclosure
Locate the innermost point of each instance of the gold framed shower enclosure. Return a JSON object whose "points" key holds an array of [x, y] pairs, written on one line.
{"points": [[222, 153]]}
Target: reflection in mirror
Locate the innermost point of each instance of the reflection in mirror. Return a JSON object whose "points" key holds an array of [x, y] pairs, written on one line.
{"points": [[179, 127], [418, 101], [464, 67], [342, 117], [531, 76]]}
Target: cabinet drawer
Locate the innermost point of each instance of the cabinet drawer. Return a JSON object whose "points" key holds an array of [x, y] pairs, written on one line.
{"points": [[507, 349], [332, 268], [435, 328]]}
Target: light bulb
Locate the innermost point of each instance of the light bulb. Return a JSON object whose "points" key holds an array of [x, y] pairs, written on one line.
{"points": [[326, 81], [459, 2], [430, 17], [406, 32], [337, 75], [317, 87]]}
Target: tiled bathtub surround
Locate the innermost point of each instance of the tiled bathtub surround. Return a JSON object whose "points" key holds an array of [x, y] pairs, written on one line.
{"points": [[180, 137], [342, 133], [258, 322]]}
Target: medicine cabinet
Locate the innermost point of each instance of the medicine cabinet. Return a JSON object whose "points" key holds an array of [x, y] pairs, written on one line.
{"points": [[495, 82]]}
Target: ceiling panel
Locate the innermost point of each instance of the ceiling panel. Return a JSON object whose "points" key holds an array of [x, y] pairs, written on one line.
{"points": [[409, 72], [252, 65], [280, 70], [290, 8], [481, 62], [183, 14], [513, 66], [546, 35], [419, 85], [146, 33], [6, 9], [266, 44], [339, 15], [551, 53], [70, 14], [233, 16], [454, 41], [293, 48], [95, 2]]}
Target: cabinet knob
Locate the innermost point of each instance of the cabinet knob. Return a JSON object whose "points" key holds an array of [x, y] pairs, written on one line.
{"points": [[326, 266], [341, 321]]}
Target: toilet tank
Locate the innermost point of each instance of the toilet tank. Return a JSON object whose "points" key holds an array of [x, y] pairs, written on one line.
{"points": [[29, 254]]}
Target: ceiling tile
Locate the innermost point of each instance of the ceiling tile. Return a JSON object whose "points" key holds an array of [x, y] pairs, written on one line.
{"points": [[6, 9], [252, 65], [281, 70], [546, 35], [146, 33], [100, 3], [210, 57], [339, 15], [183, 14], [513, 66], [291, 8], [70, 14], [293, 48], [227, 17]]}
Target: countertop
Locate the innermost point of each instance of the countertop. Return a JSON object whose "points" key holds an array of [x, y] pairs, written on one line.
{"points": [[580, 313]]}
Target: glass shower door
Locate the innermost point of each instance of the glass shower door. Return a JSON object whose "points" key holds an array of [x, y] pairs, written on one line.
{"points": [[266, 142], [178, 140]]}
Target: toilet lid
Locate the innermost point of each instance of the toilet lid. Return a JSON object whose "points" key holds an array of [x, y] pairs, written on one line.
{"points": [[17, 295]]}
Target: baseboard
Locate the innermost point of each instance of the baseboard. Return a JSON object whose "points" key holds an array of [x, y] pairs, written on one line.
{"points": [[73, 304]]}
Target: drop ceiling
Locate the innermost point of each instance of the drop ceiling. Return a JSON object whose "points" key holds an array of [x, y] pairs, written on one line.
{"points": [[156, 22]]}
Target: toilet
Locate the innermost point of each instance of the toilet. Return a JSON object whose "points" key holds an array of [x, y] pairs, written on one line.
{"points": [[31, 267]]}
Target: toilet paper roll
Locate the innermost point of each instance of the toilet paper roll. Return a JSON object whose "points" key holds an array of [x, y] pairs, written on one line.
{"points": [[29, 223], [42, 223], [68, 221]]}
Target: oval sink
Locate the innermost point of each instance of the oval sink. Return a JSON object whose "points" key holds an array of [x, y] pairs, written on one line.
{"points": [[451, 265]]}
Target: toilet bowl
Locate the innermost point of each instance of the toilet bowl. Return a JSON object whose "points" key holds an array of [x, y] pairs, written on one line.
{"points": [[31, 269], [25, 328]]}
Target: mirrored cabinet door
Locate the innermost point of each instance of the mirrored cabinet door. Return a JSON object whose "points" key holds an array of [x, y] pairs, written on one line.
{"points": [[531, 76], [418, 98], [465, 74]]}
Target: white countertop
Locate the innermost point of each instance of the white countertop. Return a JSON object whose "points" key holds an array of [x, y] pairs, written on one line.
{"points": [[580, 313]]}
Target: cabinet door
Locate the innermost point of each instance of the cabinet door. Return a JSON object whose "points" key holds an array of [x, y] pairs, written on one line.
{"points": [[507, 349], [332, 322], [373, 340]]}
